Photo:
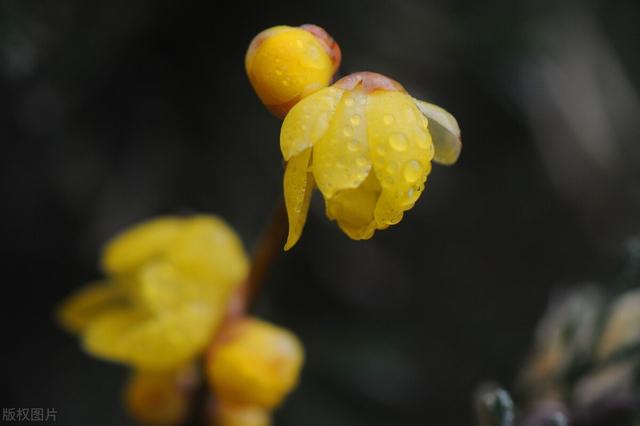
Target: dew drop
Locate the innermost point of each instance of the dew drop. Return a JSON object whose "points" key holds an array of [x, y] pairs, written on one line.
{"points": [[392, 168], [355, 120], [353, 145], [348, 102], [299, 43], [361, 161], [381, 150], [412, 171], [409, 115], [422, 140], [387, 182], [388, 119], [347, 131], [399, 142]]}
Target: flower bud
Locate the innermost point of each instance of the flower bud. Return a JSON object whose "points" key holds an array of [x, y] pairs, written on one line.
{"points": [[254, 363], [225, 414], [158, 398], [285, 64]]}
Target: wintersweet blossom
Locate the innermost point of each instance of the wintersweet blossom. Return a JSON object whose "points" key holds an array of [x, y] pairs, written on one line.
{"points": [[367, 145], [167, 284]]}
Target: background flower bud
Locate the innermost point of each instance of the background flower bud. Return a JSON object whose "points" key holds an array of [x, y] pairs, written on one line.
{"points": [[254, 363], [157, 398], [225, 414]]}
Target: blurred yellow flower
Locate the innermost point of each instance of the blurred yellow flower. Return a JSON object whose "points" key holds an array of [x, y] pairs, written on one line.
{"points": [[285, 64], [254, 364], [368, 146], [167, 284]]}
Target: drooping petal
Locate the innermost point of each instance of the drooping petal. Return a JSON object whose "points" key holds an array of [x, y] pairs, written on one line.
{"points": [[445, 133], [298, 187], [208, 249], [341, 158], [87, 303], [401, 150], [307, 121], [353, 209], [134, 246]]}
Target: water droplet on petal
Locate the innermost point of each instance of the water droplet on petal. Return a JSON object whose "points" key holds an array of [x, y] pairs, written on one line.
{"points": [[347, 131], [409, 115], [422, 140], [388, 119], [353, 145], [355, 120], [412, 171], [398, 141], [361, 161], [387, 182], [348, 102], [392, 168]]}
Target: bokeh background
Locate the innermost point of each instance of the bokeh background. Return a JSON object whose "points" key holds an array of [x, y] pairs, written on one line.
{"points": [[116, 111]]}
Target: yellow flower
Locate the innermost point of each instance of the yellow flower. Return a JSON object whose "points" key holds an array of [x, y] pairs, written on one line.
{"points": [[168, 281], [254, 364], [157, 398], [285, 64], [368, 146]]}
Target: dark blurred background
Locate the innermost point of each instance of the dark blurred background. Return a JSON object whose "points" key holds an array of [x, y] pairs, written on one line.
{"points": [[116, 111]]}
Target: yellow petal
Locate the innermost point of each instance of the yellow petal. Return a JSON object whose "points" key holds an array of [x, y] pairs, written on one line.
{"points": [[161, 287], [102, 337], [401, 150], [341, 158], [298, 187], [140, 243], [307, 121], [444, 131], [353, 209], [208, 249], [152, 342], [86, 303], [172, 338]]}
